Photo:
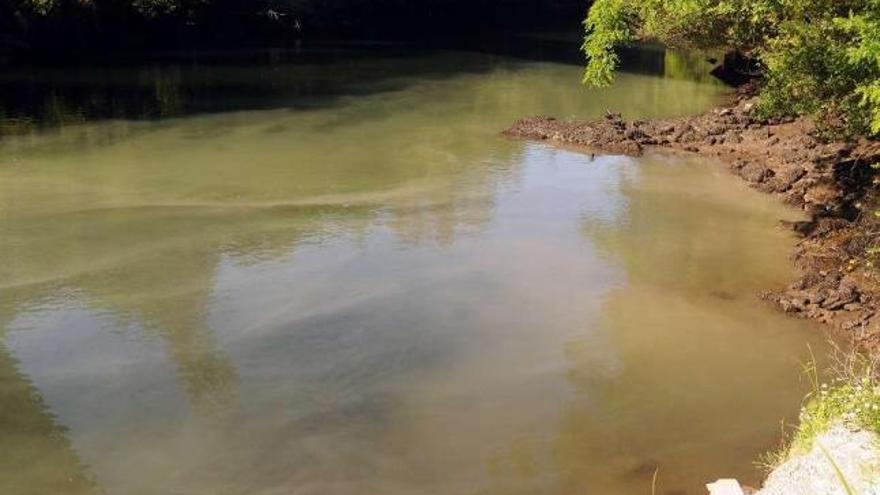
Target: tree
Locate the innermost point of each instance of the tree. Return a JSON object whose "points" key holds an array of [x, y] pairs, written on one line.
{"points": [[816, 57]]}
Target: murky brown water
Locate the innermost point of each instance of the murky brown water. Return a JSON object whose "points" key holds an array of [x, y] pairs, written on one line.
{"points": [[339, 279]]}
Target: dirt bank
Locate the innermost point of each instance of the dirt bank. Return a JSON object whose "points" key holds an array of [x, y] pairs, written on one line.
{"points": [[832, 181]]}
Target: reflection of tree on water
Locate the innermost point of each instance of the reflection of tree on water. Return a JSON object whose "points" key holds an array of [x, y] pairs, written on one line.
{"points": [[681, 371], [56, 98], [689, 66], [136, 220], [658, 60], [172, 299], [154, 267], [696, 251], [35, 447], [104, 228], [59, 98], [163, 291], [167, 89]]}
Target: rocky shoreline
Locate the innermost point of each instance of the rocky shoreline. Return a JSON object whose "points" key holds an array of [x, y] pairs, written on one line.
{"points": [[833, 182]]}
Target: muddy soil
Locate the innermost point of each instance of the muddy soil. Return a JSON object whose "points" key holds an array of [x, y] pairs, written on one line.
{"points": [[833, 182]]}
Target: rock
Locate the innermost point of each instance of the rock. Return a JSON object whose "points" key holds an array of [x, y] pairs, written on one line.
{"points": [[635, 133], [822, 194], [855, 454], [612, 116], [784, 179], [800, 227], [790, 176], [815, 298], [754, 172], [853, 320], [680, 135], [817, 313], [844, 295], [852, 306], [792, 304], [734, 138]]}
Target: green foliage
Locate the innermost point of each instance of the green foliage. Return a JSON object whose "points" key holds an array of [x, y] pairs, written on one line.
{"points": [[608, 25], [856, 402], [146, 8], [852, 397], [819, 57], [155, 8], [866, 53]]}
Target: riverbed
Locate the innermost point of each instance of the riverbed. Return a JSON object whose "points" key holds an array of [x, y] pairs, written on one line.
{"points": [[332, 275]]}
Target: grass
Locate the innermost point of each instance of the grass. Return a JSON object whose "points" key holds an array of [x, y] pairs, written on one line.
{"points": [[837, 472], [851, 396]]}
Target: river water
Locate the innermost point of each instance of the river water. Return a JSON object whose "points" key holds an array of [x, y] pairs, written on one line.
{"points": [[331, 275]]}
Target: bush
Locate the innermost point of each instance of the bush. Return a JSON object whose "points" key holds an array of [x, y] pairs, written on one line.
{"points": [[816, 57], [850, 396]]}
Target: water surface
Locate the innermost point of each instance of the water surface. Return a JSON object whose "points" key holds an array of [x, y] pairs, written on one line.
{"points": [[336, 278]]}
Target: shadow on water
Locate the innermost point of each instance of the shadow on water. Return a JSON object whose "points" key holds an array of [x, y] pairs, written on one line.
{"points": [[180, 85], [565, 48], [51, 98], [35, 446]]}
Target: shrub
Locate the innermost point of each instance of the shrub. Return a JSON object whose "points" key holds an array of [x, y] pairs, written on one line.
{"points": [[816, 57], [850, 396]]}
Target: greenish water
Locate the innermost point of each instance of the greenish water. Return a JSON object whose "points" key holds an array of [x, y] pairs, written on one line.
{"points": [[335, 277]]}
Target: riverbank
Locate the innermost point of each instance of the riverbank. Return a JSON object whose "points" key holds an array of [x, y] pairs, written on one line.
{"points": [[833, 182]]}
